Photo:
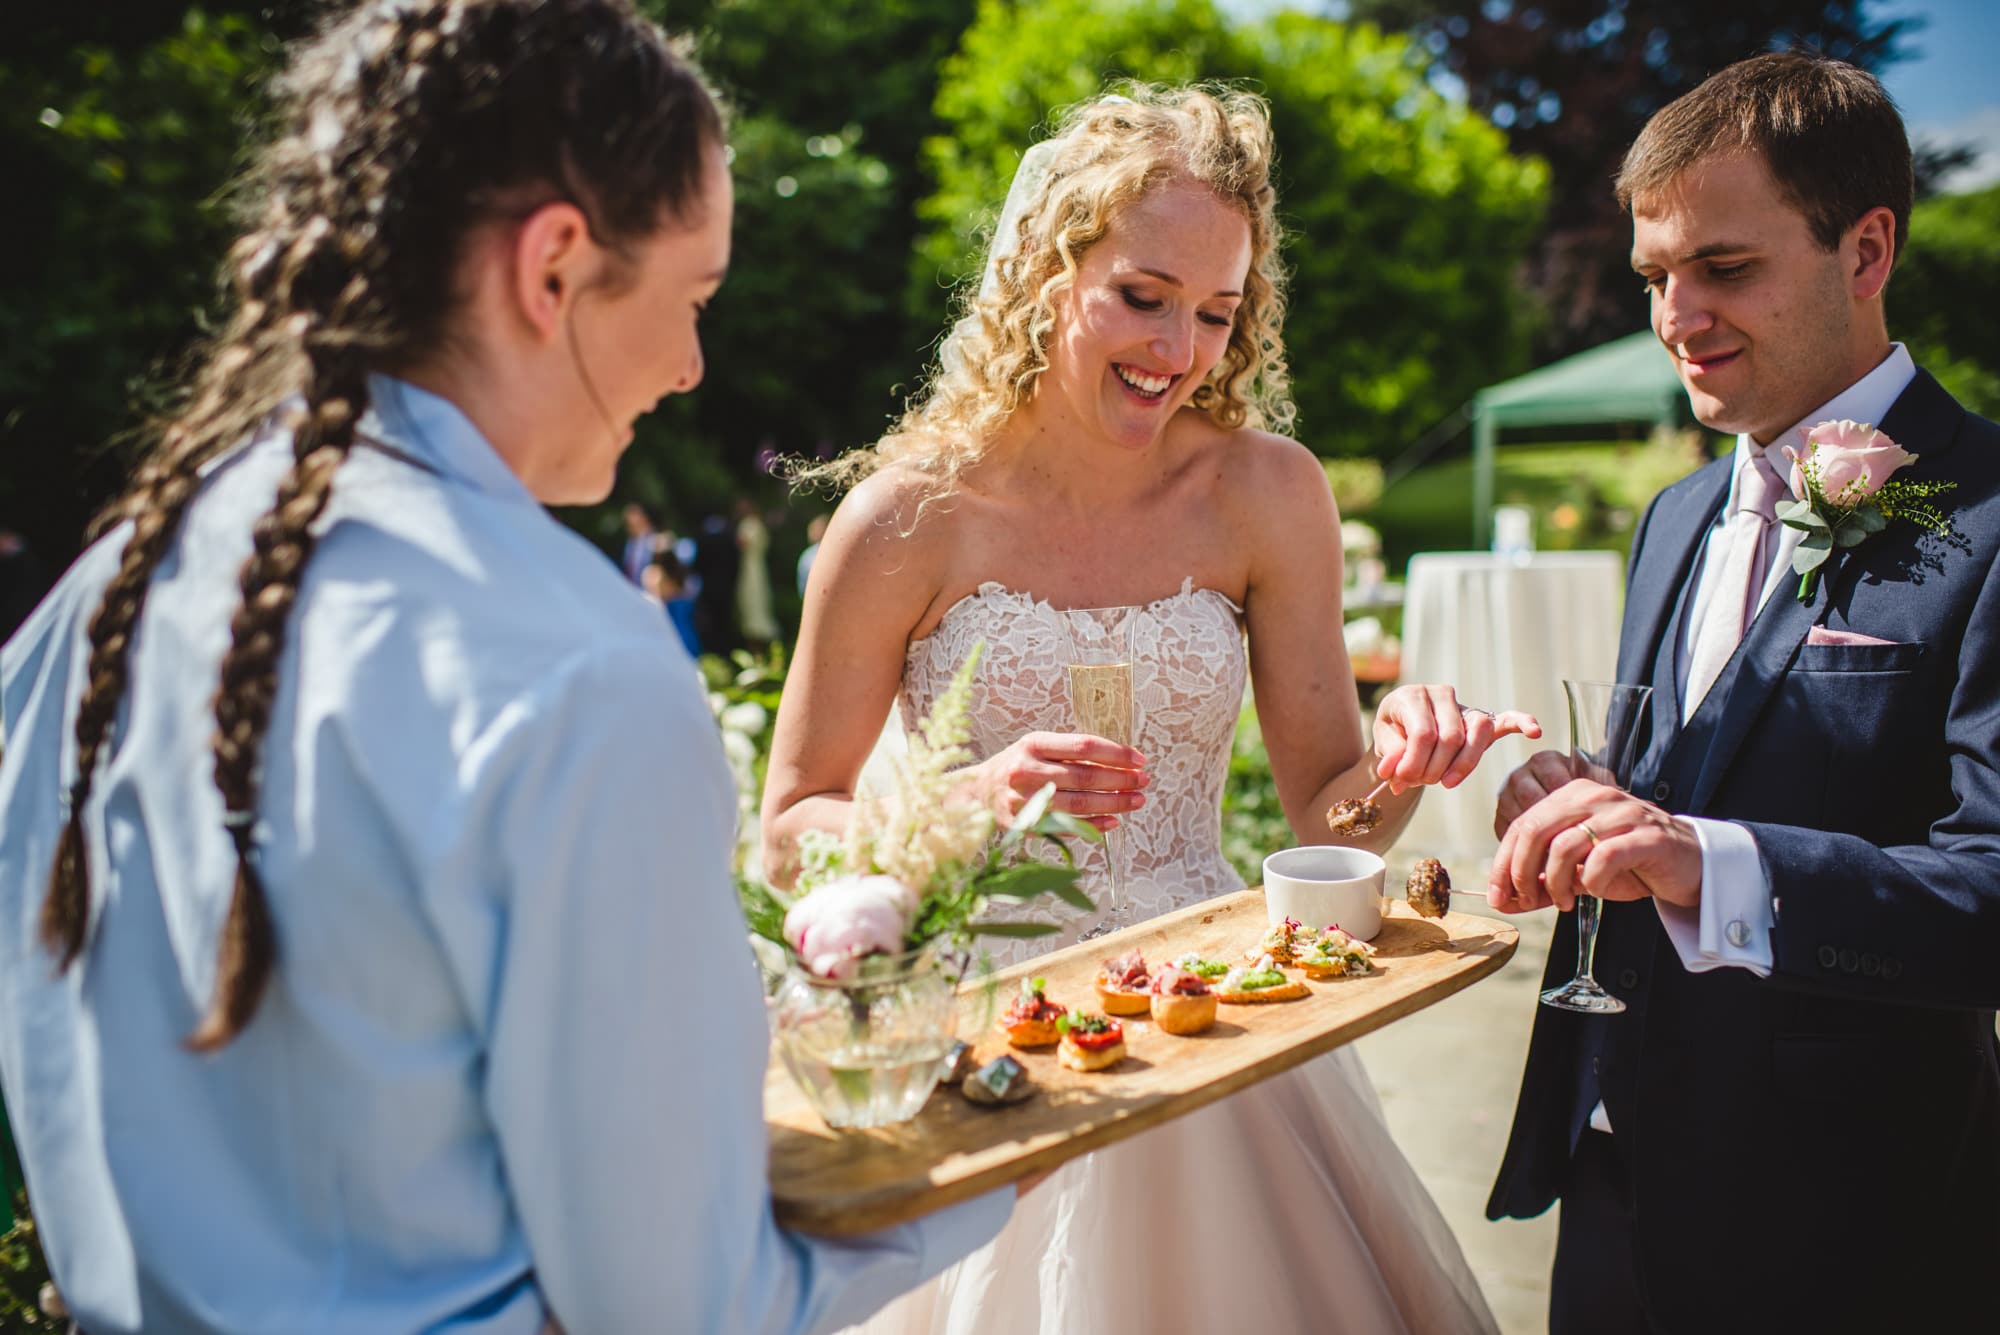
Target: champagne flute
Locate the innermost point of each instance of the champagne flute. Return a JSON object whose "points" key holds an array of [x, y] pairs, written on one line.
{"points": [[1102, 704], [1605, 721]]}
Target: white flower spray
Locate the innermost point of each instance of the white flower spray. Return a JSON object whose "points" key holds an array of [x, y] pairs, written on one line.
{"points": [[932, 832]]}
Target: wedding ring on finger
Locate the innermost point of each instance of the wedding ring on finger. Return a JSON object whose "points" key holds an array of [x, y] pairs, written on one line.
{"points": [[1591, 833]]}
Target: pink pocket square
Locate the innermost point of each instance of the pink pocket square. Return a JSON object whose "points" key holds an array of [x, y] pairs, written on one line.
{"points": [[1824, 635]]}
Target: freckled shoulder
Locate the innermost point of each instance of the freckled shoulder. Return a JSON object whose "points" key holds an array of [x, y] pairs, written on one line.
{"points": [[1271, 483]]}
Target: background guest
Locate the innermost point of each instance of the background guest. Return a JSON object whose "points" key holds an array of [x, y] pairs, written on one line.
{"points": [[667, 579], [716, 562], [641, 537], [754, 618], [815, 530]]}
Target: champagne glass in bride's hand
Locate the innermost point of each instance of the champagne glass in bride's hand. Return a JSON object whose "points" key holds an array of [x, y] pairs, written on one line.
{"points": [[1605, 720], [1102, 705]]}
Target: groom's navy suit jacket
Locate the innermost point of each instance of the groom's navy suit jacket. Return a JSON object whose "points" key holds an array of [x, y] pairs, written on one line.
{"points": [[1824, 1143]]}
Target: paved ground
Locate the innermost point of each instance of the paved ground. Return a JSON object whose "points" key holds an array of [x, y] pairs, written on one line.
{"points": [[1447, 1076]]}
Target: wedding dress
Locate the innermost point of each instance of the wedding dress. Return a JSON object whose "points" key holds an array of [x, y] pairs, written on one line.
{"points": [[1284, 1208]]}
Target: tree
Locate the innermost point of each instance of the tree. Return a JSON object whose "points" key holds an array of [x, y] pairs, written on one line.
{"points": [[1574, 81], [1407, 215], [808, 339], [121, 121], [1946, 285], [115, 145]]}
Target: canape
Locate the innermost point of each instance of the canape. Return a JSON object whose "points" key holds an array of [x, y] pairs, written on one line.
{"points": [[1031, 1021], [1260, 982], [1335, 954], [1278, 943], [1123, 985], [1182, 1003], [1209, 971], [1090, 1042]]}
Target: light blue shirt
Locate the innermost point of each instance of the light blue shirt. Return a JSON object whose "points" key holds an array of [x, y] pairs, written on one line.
{"points": [[511, 1062]]}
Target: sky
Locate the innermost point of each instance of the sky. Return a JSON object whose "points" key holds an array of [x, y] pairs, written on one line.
{"points": [[1946, 90], [1946, 86]]}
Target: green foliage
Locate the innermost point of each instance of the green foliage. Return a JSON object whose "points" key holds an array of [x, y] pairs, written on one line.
{"points": [[941, 844], [1575, 82], [23, 1272], [1409, 221], [1016, 66], [1583, 496], [809, 338], [1253, 818], [114, 155], [743, 692], [1407, 215], [763, 911], [953, 912], [1946, 287], [1356, 483]]}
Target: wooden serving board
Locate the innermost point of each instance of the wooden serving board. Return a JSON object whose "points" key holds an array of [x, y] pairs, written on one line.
{"points": [[843, 1182]]}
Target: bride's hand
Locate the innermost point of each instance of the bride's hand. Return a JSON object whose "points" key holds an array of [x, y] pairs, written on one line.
{"points": [[1424, 735], [1095, 778]]}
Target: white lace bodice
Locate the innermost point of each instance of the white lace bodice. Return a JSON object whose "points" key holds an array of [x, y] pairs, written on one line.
{"points": [[1189, 670]]}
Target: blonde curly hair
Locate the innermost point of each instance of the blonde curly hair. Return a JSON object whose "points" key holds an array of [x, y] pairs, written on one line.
{"points": [[1107, 154]]}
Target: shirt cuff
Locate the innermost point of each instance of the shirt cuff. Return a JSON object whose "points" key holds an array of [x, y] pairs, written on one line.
{"points": [[957, 1231], [1732, 924]]}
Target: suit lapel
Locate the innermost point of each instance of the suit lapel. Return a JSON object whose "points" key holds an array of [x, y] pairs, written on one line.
{"points": [[1925, 420], [1749, 677]]}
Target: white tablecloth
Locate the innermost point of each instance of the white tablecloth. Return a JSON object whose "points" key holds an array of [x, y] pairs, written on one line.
{"points": [[1505, 631]]}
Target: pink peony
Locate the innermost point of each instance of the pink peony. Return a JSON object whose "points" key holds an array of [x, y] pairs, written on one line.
{"points": [[843, 920], [1853, 460]]}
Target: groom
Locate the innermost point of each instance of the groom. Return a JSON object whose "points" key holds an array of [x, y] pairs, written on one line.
{"points": [[1796, 1123]]}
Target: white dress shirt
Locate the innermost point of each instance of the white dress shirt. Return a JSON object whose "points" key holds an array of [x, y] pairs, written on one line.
{"points": [[511, 1062]]}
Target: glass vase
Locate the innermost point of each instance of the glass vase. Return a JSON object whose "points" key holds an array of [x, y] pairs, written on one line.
{"points": [[867, 1050]]}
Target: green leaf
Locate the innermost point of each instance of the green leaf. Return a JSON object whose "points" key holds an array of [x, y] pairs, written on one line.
{"points": [[1029, 818], [1812, 553], [1031, 880], [1060, 824], [1799, 514], [1850, 535], [1075, 898], [1026, 881], [1061, 847], [1034, 809], [1018, 930], [763, 911], [1869, 519]]}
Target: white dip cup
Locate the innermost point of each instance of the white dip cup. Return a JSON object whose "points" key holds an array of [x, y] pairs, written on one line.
{"points": [[1322, 884]]}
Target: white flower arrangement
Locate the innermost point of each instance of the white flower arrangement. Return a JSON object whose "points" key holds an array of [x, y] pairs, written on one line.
{"points": [[934, 837]]}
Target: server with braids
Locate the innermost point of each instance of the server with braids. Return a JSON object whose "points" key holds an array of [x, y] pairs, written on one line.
{"points": [[367, 956]]}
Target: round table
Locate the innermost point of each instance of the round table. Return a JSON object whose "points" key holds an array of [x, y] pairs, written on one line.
{"points": [[1504, 630]]}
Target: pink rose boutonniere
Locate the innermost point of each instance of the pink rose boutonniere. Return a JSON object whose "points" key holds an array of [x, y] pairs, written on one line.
{"points": [[1845, 496]]}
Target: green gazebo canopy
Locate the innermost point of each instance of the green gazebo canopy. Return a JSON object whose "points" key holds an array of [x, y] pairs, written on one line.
{"points": [[1626, 380]]}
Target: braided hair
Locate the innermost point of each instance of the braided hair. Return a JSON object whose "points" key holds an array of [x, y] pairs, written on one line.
{"points": [[404, 124]]}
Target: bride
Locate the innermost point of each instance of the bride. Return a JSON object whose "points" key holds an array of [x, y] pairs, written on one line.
{"points": [[1102, 432]]}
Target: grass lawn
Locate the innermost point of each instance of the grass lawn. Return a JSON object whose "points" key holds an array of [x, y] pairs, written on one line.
{"points": [[1584, 496]]}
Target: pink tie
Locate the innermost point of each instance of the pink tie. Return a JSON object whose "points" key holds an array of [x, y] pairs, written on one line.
{"points": [[1732, 598]]}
